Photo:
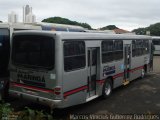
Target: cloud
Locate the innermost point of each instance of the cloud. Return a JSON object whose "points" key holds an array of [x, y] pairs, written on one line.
{"points": [[128, 14]]}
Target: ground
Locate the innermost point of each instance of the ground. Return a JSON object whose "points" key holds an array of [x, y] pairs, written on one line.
{"points": [[141, 96]]}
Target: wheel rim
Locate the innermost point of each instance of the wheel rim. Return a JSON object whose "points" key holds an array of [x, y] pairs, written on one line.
{"points": [[107, 89]]}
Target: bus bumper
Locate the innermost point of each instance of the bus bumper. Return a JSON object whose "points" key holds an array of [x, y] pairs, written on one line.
{"points": [[45, 101]]}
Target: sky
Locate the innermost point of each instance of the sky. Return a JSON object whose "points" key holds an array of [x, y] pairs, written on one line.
{"points": [[125, 14]]}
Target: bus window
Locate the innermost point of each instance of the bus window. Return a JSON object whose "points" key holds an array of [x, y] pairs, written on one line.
{"points": [[107, 51], [118, 50], [146, 47], [139, 47], [74, 55], [33, 51], [156, 41], [4, 51]]}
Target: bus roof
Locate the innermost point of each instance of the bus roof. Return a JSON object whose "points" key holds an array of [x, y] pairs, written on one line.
{"points": [[4, 25], [84, 35], [155, 37], [60, 27], [20, 26]]}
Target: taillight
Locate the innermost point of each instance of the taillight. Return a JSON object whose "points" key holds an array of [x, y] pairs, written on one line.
{"points": [[57, 90], [11, 84]]}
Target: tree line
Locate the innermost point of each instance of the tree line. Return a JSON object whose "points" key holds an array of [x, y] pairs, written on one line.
{"points": [[153, 28], [61, 20]]}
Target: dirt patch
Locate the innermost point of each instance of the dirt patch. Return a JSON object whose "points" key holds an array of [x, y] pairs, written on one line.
{"points": [[146, 88]]}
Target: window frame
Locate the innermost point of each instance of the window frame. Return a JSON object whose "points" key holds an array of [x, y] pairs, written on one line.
{"points": [[108, 52], [80, 55], [140, 47], [35, 66], [117, 50]]}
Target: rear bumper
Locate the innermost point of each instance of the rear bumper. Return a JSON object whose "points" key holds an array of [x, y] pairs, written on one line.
{"points": [[45, 101]]}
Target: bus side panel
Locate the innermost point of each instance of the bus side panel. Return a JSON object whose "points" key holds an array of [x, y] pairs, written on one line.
{"points": [[119, 75], [157, 50], [114, 70], [74, 87], [137, 64]]}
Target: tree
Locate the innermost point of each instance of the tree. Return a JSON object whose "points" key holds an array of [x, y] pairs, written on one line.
{"points": [[140, 31], [61, 20], [109, 27], [153, 28]]}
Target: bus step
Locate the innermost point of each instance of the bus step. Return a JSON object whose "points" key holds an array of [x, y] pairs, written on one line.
{"points": [[91, 98], [126, 82]]}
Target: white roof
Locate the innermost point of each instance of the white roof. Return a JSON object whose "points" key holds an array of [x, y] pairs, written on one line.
{"points": [[84, 35], [20, 26], [155, 37]]}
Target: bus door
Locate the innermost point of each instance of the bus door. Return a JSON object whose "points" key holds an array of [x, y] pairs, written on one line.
{"points": [[92, 71], [151, 55], [127, 63]]}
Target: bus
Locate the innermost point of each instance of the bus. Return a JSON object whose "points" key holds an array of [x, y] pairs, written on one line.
{"points": [[62, 69], [60, 27], [6, 30], [156, 43]]}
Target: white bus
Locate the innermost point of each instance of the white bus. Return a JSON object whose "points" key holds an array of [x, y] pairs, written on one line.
{"points": [[62, 69], [6, 30], [156, 43]]}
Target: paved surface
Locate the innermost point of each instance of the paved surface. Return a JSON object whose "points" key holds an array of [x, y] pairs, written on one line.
{"points": [[141, 96]]}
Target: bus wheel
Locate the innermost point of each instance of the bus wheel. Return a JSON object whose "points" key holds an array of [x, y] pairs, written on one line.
{"points": [[142, 73], [107, 88]]}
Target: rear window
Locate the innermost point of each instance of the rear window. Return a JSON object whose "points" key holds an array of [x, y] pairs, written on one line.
{"points": [[33, 51]]}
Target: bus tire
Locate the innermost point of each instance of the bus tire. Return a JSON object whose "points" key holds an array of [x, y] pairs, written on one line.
{"points": [[107, 88]]}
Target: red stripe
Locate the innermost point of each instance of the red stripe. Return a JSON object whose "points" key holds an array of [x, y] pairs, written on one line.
{"points": [[75, 91], [132, 70], [118, 75], [100, 81], [32, 88], [135, 69]]}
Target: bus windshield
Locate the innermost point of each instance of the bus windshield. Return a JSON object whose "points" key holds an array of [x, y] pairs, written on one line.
{"points": [[33, 51], [4, 51]]}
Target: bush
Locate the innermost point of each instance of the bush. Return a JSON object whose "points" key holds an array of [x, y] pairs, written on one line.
{"points": [[8, 113]]}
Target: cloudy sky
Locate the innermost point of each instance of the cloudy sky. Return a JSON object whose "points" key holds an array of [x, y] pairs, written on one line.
{"points": [[126, 14]]}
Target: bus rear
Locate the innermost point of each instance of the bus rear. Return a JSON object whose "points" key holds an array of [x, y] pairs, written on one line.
{"points": [[156, 43], [4, 59], [33, 68]]}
